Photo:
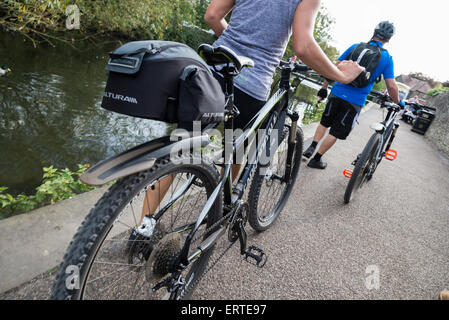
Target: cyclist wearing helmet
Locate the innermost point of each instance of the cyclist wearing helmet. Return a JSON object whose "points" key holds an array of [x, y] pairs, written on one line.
{"points": [[346, 101]]}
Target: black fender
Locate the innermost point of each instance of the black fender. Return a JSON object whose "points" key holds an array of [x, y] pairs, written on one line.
{"points": [[140, 158]]}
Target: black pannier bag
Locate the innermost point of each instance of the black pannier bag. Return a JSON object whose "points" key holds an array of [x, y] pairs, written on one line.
{"points": [[145, 77], [200, 98]]}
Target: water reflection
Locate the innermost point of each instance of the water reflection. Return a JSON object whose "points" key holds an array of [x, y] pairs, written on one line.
{"points": [[50, 112]]}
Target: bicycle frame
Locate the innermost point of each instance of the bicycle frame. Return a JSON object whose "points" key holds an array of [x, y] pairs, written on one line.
{"points": [[272, 111], [386, 135], [389, 133]]}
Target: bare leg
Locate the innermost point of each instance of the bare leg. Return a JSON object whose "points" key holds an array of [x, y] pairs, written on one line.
{"points": [[154, 196], [235, 171], [328, 142], [319, 133]]}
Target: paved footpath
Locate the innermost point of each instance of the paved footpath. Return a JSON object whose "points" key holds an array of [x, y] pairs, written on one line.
{"points": [[397, 228]]}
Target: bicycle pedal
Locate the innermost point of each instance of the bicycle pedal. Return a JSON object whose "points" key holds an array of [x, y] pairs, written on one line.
{"points": [[347, 173], [257, 254], [391, 154]]}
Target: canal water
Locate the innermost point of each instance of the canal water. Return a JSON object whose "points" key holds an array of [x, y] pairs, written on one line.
{"points": [[50, 112]]}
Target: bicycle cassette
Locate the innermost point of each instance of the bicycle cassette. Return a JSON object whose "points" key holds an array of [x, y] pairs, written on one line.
{"points": [[162, 255]]}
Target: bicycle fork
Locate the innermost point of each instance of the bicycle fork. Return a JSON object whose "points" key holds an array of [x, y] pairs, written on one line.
{"points": [[291, 144], [390, 141]]}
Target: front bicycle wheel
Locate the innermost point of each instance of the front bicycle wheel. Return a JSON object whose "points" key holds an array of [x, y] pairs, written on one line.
{"points": [[364, 168], [118, 254], [269, 189]]}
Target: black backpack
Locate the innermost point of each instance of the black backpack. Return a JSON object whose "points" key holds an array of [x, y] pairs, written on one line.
{"points": [[367, 55], [162, 80]]}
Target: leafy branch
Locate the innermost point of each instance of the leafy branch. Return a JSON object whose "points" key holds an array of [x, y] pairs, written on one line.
{"points": [[57, 185]]}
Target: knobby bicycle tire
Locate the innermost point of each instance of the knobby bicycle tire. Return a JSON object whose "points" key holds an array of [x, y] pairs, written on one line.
{"points": [[262, 223], [90, 236], [360, 169]]}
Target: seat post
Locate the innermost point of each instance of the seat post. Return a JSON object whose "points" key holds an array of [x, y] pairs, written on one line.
{"points": [[229, 93], [229, 87]]}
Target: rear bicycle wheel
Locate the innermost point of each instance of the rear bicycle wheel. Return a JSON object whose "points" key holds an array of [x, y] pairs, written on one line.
{"points": [[364, 168], [269, 191], [112, 258]]}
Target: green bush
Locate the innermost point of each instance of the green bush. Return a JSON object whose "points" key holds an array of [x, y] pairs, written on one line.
{"points": [[57, 185], [44, 20], [436, 91]]}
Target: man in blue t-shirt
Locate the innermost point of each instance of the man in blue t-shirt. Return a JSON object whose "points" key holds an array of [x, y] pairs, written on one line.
{"points": [[346, 101]]}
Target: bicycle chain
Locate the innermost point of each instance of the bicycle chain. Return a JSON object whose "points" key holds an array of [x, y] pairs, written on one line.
{"points": [[197, 280]]}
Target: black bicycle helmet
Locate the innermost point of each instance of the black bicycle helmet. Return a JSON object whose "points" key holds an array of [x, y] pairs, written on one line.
{"points": [[384, 30]]}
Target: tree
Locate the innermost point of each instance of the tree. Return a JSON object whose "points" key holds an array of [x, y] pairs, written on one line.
{"points": [[323, 23], [200, 10]]}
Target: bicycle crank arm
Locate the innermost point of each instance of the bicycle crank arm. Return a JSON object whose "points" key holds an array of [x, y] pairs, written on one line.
{"points": [[253, 252]]}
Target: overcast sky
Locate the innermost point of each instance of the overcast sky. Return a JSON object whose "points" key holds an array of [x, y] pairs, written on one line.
{"points": [[421, 42]]}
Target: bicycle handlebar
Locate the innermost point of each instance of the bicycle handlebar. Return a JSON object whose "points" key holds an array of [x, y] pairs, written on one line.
{"points": [[390, 105], [386, 98], [294, 65], [300, 67], [380, 95]]}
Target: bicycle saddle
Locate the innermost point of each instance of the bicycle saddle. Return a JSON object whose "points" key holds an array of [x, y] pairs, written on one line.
{"points": [[378, 127], [223, 55]]}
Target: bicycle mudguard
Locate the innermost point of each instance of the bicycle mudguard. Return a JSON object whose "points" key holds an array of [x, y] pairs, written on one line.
{"points": [[140, 158]]}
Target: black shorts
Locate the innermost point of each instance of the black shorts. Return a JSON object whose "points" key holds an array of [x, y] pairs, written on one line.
{"points": [[340, 116], [247, 105]]}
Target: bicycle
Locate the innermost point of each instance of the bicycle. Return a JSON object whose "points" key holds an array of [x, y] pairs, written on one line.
{"points": [[375, 150], [114, 255]]}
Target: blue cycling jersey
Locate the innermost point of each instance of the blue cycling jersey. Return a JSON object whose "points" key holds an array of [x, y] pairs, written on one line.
{"points": [[358, 96]]}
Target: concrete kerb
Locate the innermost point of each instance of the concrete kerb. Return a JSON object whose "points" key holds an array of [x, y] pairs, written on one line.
{"points": [[35, 242]]}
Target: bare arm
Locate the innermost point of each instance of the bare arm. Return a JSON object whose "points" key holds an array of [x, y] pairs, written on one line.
{"points": [[216, 13], [310, 52], [393, 90]]}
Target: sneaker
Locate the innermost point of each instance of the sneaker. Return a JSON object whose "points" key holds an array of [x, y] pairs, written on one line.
{"points": [[317, 164], [308, 153]]}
